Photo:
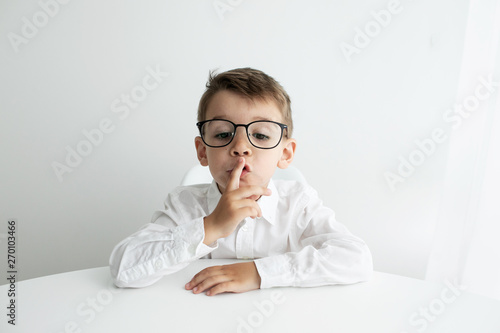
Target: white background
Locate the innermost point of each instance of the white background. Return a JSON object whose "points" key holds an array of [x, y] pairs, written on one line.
{"points": [[353, 119]]}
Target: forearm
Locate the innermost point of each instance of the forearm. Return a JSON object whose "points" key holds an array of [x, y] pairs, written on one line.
{"points": [[335, 262], [211, 232], [155, 251]]}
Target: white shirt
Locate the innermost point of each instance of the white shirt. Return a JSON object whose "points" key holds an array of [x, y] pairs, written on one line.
{"points": [[297, 241]]}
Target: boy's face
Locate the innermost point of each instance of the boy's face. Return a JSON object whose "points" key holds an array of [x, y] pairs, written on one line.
{"points": [[260, 164]]}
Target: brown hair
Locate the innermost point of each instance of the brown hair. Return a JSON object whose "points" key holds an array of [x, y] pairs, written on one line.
{"points": [[250, 83]]}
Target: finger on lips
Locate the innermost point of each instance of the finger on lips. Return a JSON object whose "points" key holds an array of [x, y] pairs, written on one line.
{"points": [[234, 180]]}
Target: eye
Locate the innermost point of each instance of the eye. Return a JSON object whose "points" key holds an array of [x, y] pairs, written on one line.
{"points": [[260, 136], [223, 135]]}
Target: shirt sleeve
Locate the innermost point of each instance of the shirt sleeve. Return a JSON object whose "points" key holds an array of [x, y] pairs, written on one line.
{"points": [[163, 247], [323, 252]]}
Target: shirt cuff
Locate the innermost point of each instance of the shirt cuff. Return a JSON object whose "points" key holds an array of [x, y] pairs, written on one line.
{"points": [[178, 248], [189, 238], [274, 271]]}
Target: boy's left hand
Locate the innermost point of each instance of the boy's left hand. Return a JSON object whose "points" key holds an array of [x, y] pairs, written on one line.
{"points": [[235, 278]]}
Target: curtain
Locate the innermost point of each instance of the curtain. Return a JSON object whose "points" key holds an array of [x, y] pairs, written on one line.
{"points": [[466, 247]]}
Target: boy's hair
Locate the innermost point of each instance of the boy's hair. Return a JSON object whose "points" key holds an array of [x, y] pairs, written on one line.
{"points": [[251, 83]]}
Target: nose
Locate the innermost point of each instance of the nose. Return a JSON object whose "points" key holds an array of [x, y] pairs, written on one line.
{"points": [[240, 145]]}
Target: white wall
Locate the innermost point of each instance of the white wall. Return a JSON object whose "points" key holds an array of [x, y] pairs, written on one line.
{"points": [[353, 119]]}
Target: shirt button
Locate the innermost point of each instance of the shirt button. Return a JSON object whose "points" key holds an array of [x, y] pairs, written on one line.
{"points": [[244, 228], [158, 264]]}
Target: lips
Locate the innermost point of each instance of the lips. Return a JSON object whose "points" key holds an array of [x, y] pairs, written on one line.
{"points": [[246, 169]]}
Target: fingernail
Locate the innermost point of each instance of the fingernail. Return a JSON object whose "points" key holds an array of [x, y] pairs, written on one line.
{"points": [[195, 289], [187, 285]]}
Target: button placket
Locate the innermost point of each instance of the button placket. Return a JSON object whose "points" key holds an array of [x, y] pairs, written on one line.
{"points": [[244, 240]]}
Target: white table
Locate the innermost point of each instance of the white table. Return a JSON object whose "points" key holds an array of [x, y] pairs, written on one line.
{"points": [[86, 301]]}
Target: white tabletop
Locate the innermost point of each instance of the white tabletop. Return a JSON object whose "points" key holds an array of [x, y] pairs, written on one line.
{"points": [[86, 301]]}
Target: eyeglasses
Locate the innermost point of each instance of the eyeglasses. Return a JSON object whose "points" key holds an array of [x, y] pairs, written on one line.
{"points": [[263, 134]]}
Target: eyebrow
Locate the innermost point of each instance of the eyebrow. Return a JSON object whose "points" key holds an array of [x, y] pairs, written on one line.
{"points": [[255, 119]]}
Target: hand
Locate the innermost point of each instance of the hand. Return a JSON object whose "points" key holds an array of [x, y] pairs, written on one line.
{"points": [[236, 278], [235, 204]]}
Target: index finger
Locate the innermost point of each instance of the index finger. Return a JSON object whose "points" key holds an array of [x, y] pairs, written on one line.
{"points": [[234, 178]]}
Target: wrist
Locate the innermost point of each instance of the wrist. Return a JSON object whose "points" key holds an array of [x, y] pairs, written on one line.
{"points": [[210, 232], [258, 279]]}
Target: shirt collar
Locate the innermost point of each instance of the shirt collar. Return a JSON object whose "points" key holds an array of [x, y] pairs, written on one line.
{"points": [[268, 204]]}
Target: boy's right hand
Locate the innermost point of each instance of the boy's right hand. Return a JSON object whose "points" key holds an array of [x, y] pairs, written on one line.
{"points": [[234, 206]]}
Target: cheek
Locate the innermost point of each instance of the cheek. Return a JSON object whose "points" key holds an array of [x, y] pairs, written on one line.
{"points": [[269, 163], [214, 156], [216, 162]]}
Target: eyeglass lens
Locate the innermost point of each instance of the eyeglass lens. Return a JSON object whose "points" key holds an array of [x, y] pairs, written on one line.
{"points": [[262, 134]]}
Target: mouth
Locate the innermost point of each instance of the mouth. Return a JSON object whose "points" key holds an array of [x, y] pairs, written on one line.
{"points": [[244, 171]]}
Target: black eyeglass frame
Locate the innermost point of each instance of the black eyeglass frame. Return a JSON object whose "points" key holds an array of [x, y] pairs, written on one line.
{"points": [[235, 127]]}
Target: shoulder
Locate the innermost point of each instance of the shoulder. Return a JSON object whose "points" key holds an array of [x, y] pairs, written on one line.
{"points": [[299, 202], [190, 193], [302, 201], [182, 204], [291, 190]]}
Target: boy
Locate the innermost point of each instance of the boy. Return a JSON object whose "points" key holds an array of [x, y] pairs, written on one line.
{"points": [[245, 125]]}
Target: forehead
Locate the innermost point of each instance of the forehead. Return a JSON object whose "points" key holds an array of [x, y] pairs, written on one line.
{"points": [[240, 109]]}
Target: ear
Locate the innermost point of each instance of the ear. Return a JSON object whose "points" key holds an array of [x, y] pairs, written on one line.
{"points": [[201, 151], [287, 154]]}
